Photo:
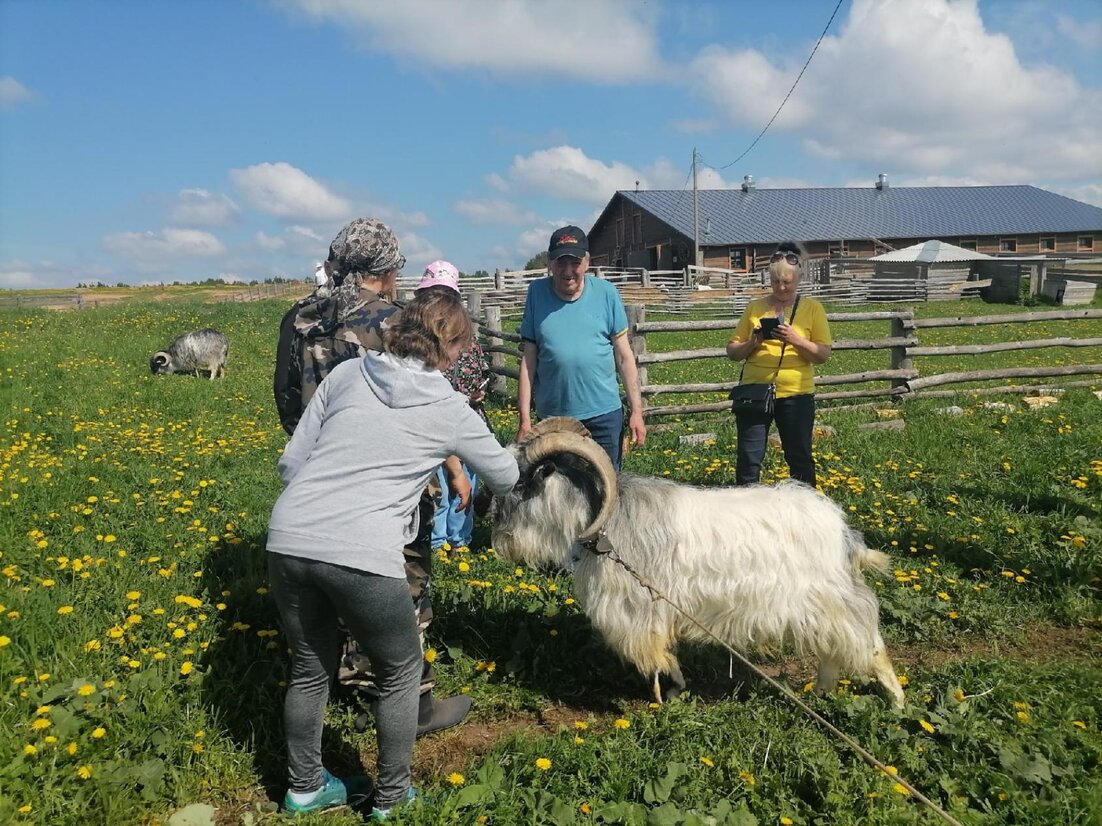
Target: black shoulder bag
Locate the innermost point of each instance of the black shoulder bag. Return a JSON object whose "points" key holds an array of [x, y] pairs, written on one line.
{"points": [[757, 399]]}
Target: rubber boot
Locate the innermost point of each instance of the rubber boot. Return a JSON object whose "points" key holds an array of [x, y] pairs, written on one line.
{"points": [[437, 715]]}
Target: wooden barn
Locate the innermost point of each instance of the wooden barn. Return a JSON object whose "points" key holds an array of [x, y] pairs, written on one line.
{"points": [[739, 228]]}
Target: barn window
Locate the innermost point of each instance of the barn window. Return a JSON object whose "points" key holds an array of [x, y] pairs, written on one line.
{"points": [[1048, 244], [637, 228], [1086, 243], [738, 258], [619, 232], [1008, 245], [969, 244]]}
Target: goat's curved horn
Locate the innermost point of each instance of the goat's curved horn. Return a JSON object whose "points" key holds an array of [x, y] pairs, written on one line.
{"points": [[569, 440], [554, 424]]}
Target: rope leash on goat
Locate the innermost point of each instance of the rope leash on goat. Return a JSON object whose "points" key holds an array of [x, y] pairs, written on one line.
{"points": [[600, 545]]}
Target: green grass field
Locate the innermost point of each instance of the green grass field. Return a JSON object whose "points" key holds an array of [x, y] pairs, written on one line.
{"points": [[142, 666]]}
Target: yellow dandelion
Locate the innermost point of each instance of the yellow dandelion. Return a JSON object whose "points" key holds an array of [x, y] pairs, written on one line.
{"points": [[927, 726], [464, 567], [786, 821], [65, 609], [621, 723], [899, 788], [585, 809], [1022, 717], [543, 764], [581, 725], [747, 778], [86, 689], [187, 667], [4, 640], [71, 748], [430, 655], [456, 779], [98, 732], [40, 724], [133, 595], [30, 750], [84, 772], [707, 761], [1079, 724], [579, 740]]}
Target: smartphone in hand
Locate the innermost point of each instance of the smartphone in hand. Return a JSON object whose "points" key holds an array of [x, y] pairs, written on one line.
{"points": [[769, 326]]}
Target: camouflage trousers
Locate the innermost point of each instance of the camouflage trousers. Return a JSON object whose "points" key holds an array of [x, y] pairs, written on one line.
{"points": [[355, 670]]}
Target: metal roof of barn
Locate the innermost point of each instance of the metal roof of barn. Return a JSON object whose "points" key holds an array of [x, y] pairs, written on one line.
{"points": [[764, 216], [932, 252]]}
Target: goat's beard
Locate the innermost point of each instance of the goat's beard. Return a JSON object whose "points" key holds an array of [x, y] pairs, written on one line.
{"points": [[540, 530]]}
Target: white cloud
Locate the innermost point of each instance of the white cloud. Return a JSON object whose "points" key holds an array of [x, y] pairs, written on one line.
{"points": [[919, 85], [606, 41], [198, 207], [495, 181], [18, 275], [307, 233], [158, 250], [231, 278], [286, 191], [567, 172], [493, 211], [418, 251], [269, 242], [12, 92], [1086, 34]]}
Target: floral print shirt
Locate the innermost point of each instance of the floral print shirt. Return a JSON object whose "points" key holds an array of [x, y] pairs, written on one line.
{"points": [[468, 373]]}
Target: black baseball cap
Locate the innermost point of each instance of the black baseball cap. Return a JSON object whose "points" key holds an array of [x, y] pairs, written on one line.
{"points": [[568, 241]]}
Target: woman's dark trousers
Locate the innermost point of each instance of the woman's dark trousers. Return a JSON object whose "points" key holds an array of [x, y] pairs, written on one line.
{"points": [[795, 418]]}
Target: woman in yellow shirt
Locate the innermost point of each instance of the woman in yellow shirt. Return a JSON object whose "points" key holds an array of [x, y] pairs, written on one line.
{"points": [[786, 357]]}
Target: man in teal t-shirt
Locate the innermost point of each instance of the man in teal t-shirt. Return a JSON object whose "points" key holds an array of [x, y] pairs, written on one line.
{"points": [[575, 340]]}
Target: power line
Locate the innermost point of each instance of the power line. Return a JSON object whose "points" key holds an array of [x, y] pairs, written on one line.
{"points": [[786, 97]]}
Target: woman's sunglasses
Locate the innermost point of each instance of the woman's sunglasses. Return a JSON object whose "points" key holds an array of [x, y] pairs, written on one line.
{"points": [[790, 257]]}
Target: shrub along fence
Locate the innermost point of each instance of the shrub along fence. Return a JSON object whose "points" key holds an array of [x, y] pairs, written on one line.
{"points": [[898, 380]]}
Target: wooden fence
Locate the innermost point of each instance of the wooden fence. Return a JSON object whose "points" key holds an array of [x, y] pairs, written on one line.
{"points": [[53, 300], [898, 380]]}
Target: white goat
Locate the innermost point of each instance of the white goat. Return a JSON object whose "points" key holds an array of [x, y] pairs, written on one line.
{"points": [[759, 566], [199, 350]]}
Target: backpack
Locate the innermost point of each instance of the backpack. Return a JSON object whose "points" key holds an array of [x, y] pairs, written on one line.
{"points": [[317, 334]]}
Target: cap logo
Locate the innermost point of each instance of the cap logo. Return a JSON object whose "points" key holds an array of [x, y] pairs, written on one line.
{"points": [[568, 239]]}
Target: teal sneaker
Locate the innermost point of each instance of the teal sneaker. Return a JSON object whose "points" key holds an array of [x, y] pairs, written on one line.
{"points": [[353, 791], [382, 814]]}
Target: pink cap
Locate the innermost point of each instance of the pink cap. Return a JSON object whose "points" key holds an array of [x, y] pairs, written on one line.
{"points": [[440, 274]]}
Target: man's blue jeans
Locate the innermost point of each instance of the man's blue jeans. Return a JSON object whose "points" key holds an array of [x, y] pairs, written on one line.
{"points": [[795, 418], [607, 431]]}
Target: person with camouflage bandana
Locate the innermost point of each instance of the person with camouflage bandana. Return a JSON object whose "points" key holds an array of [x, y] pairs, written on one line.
{"points": [[330, 326]]}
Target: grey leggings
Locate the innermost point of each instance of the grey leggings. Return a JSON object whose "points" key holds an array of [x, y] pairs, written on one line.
{"points": [[310, 596]]}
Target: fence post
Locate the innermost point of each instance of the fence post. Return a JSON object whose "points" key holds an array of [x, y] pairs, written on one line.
{"points": [[903, 326], [474, 308], [637, 314], [493, 325], [499, 280]]}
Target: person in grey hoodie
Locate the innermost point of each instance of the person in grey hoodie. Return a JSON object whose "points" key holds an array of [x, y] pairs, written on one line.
{"points": [[370, 439]]}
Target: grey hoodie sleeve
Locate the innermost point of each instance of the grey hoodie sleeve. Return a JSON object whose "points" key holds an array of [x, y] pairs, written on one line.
{"points": [[480, 451], [302, 443]]}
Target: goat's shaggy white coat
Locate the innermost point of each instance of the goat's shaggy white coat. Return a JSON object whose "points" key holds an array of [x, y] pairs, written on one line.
{"points": [[759, 566]]}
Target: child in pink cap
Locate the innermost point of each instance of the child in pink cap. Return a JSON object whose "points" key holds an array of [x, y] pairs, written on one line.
{"points": [[468, 375]]}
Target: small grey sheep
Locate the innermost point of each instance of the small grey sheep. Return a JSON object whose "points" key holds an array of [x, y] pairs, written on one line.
{"points": [[199, 350]]}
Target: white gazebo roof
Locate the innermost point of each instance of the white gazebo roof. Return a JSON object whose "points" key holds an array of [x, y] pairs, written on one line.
{"points": [[929, 252]]}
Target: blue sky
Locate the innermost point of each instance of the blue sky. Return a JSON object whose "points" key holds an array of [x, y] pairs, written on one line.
{"points": [[159, 141]]}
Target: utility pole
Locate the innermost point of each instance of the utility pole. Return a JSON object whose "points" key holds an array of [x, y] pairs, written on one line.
{"points": [[696, 216]]}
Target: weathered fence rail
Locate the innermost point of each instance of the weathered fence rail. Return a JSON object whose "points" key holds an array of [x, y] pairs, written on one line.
{"points": [[902, 345]]}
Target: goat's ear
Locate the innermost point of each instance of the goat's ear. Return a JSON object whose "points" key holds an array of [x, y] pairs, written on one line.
{"points": [[537, 477]]}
